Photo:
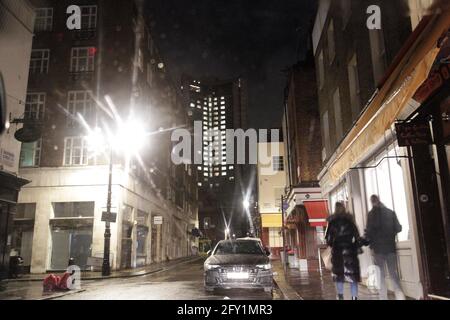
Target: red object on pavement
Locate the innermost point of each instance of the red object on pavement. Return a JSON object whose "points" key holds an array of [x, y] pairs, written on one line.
{"points": [[51, 283], [54, 283], [62, 285]]}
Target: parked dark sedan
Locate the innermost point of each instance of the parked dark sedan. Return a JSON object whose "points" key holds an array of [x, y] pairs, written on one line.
{"points": [[241, 263]]}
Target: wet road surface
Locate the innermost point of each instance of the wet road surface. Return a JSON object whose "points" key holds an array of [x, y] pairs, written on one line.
{"points": [[181, 282]]}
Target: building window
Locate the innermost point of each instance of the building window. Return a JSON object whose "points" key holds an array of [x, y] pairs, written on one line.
{"points": [[44, 20], [88, 17], [378, 52], [82, 59], [331, 42], [39, 61], [338, 121], [353, 80], [321, 69], [75, 151], [73, 209], [30, 154], [275, 238], [79, 102], [387, 181], [278, 163], [35, 106]]}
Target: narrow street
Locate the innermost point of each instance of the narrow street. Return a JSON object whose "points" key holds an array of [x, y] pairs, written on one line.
{"points": [[184, 281]]}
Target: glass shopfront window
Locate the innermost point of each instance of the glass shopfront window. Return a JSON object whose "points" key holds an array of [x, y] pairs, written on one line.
{"points": [[275, 238], [386, 180], [71, 243], [340, 194], [71, 230]]}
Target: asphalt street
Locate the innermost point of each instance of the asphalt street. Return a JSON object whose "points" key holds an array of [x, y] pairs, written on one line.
{"points": [[180, 282]]}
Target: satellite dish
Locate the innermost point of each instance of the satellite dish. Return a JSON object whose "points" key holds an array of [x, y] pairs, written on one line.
{"points": [[2, 104], [28, 134]]}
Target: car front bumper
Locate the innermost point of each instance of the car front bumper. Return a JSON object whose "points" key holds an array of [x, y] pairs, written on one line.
{"points": [[257, 279]]}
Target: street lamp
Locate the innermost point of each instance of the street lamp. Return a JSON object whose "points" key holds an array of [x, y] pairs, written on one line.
{"points": [[246, 204], [227, 233], [128, 141]]}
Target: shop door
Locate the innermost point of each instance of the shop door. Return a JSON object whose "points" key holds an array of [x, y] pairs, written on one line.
{"points": [[60, 249]]}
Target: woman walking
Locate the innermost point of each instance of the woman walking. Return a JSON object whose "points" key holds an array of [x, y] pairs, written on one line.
{"points": [[343, 237]]}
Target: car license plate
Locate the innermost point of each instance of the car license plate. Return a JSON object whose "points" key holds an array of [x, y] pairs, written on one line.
{"points": [[238, 275]]}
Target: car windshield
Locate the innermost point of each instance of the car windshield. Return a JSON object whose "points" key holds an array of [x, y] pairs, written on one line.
{"points": [[238, 247]]}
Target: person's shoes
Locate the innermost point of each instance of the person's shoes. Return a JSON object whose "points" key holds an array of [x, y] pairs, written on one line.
{"points": [[354, 298], [340, 297]]}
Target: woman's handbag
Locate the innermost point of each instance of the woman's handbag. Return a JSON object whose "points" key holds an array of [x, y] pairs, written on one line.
{"points": [[326, 258]]}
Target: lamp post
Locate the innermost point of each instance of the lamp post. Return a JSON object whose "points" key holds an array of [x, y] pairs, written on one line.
{"points": [[129, 140], [106, 267]]}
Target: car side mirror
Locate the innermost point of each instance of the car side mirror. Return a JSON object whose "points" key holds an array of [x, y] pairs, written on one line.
{"points": [[268, 253], [2, 104], [209, 253]]}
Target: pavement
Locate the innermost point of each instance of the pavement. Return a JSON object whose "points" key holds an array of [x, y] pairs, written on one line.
{"points": [[178, 280], [313, 285], [127, 273]]}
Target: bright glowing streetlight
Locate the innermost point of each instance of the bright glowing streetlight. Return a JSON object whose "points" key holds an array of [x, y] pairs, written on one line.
{"points": [[246, 204], [227, 233], [128, 141], [130, 137]]}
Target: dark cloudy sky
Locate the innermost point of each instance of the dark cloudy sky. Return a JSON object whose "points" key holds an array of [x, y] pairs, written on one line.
{"points": [[227, 38]]}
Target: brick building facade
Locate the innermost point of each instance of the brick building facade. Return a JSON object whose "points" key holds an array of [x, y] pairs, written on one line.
{"points": [[110, 69]]}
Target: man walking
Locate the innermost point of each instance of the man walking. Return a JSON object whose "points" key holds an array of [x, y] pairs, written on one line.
{"points": [[381, 230]]}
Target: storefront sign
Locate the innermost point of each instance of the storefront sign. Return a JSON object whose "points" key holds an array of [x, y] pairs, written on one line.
{"points": [[157, 220], [433, 83], [411, 134], [7, 158], [112, 217]]}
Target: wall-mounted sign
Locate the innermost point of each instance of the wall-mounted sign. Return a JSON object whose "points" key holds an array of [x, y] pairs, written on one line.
{"points": [[28, 134], [412, 134], [112, 217], [7, 158], [157, 220]]}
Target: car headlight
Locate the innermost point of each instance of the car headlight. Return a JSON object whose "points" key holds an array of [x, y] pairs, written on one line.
{"points": [[267, 266], [211, 266]]}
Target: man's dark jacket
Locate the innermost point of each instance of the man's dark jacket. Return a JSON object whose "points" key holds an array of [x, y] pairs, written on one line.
{"points": [[381, 230]]}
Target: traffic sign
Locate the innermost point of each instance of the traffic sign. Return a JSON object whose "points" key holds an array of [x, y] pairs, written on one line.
{"points": [[112, 217]]}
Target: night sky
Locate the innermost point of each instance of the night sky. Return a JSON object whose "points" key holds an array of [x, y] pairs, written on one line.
{"points": [[223, 39]]}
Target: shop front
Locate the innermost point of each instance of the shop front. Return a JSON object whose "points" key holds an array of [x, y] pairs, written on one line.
{"points": [[272, 237], [398, 149], [9, 190], [305, 223]]}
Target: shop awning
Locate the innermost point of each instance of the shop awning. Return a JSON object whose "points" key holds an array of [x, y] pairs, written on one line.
{"points": [[271, 220], [317, 211]]}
